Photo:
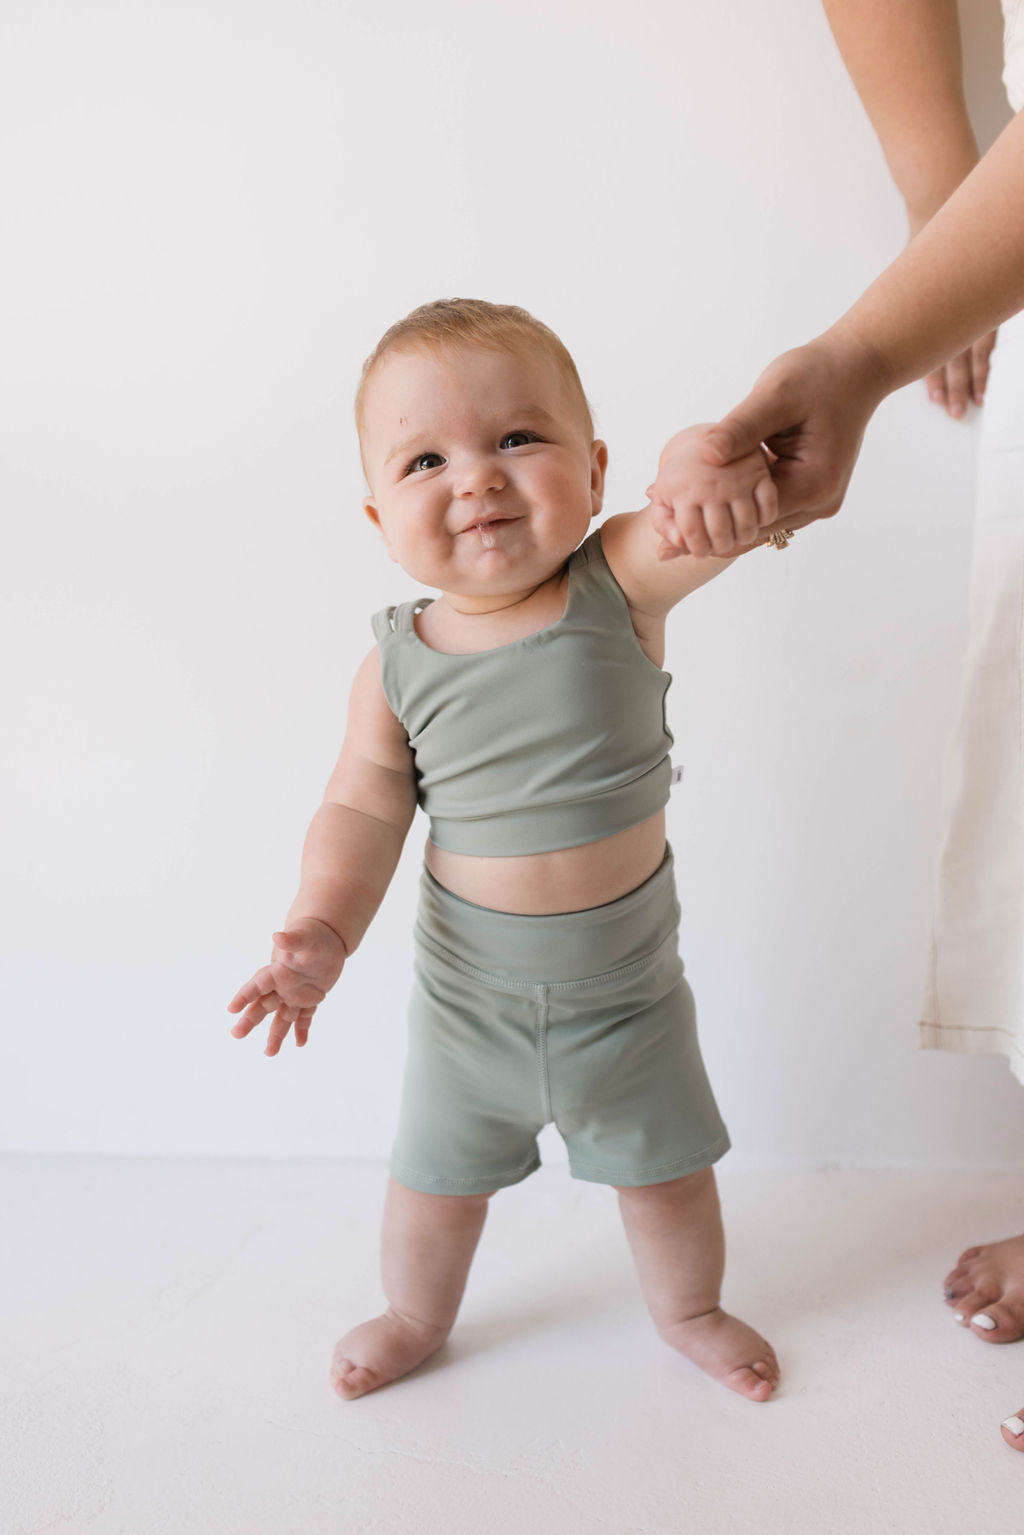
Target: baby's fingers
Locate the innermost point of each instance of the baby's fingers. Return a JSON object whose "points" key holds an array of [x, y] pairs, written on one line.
{"points": [[252, 993], [254, 1015], [284, 1018], [663, 521], [670, 540], [301, 1025], [721, 530], [686, 530], [766, 497], [745, 514]]}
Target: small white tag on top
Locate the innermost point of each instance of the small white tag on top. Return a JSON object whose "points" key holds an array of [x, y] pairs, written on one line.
{"points": [[676, 775]]}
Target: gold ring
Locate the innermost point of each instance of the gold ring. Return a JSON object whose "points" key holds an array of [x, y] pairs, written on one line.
{"points": [[779, 539]]}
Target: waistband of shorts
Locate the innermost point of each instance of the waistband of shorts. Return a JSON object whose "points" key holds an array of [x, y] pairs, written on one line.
{"points": [[566, 946]]}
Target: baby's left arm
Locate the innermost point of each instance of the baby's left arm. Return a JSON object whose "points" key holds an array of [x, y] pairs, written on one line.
{"points": [[651, 552]]}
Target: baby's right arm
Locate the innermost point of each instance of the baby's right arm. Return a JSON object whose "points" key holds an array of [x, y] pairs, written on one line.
{"points": [[351, 851]]}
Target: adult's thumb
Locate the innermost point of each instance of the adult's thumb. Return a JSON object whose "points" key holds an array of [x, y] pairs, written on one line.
{"points": [[733, 437]]}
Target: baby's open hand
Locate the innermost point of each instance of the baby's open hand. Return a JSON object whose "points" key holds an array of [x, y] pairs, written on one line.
{"points": [[698, 508], [306, 962]]}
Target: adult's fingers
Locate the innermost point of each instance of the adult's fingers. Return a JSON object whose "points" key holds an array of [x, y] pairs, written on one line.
{"points": [[740, 432], [935, 384], [958, 385], [981, 352]]}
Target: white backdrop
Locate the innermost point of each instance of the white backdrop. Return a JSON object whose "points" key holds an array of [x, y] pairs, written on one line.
{"points": [[211, 213]]}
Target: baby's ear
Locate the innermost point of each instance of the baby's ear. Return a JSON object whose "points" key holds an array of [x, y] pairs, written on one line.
{"points": [[370, 508], [598, 468]]}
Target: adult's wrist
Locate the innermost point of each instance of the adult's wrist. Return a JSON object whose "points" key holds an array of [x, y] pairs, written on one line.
{"points": [[853, 352]]}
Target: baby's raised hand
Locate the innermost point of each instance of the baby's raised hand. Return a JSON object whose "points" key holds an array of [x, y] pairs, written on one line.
{"points": [[307, 960], [698, 508]]}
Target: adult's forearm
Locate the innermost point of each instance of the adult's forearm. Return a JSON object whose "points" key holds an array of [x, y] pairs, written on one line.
{"points": [[904, 58], [960, 277], [348, 861]]}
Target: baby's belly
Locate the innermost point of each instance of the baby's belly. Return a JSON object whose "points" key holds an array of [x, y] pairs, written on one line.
{"points": [[537, 884]]}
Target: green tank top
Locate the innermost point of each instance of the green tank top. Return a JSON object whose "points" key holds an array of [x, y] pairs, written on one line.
{"points": [[551, 741]]}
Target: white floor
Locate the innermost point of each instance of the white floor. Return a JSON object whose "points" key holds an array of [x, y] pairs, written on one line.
{"points": [[167, 1327]]}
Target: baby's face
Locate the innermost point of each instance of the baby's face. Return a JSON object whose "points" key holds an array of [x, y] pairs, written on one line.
{"points": [[483, 476]]}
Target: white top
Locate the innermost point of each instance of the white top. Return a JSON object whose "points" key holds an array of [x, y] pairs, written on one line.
{"points": [[1013, 52]]}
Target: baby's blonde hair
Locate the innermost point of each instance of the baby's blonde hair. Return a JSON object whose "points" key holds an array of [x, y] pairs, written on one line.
{"points": [[453, 322]]}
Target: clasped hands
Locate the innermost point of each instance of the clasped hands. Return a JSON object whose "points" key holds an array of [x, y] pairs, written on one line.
{"points": [[701, 506]]}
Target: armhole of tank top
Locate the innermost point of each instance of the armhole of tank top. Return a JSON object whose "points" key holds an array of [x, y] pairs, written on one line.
{"points": [[597, 572], [383, 624], [385, 629], [602, 579]]}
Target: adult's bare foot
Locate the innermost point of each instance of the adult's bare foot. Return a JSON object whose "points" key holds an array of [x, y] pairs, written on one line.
{"points": [[986, 1291], [1013, 1431]]}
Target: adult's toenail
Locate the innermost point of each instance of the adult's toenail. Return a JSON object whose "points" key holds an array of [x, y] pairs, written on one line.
{"points": [[958, 1316], [1015, 1425], [986, 1322]]}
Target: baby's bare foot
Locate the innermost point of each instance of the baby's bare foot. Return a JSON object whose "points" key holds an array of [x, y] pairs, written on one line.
{"points": [[986, 1290], [727, 1350], [380, 1351]]}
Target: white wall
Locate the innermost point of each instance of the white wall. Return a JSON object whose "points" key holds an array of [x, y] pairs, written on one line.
{"points": [[213, 211]]}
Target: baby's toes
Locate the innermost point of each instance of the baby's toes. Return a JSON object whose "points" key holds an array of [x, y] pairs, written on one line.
{"points": [[1012, 1431], [753, 1381], [351, 1380], [997, 1323], [768, 1368]]}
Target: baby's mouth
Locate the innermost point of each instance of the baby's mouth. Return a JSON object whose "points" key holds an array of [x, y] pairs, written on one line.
{"points": [[490, 530]]}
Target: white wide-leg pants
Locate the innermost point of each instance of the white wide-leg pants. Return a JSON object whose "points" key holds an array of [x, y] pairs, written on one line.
{"points": [[974, 989]]}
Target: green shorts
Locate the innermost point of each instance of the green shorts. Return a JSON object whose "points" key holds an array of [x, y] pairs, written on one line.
{"points": [[583, 1019]]}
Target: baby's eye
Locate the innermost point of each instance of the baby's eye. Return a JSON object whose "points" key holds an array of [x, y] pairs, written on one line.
{"points": [[424, 461], [518, 439]]}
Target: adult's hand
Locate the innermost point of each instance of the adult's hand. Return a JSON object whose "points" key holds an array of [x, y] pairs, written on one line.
{"points": [[962, 380]]}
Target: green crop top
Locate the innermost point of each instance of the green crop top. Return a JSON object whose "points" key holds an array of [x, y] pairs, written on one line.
{"points": [[553, 740]]}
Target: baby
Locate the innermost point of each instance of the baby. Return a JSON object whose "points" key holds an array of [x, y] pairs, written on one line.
{"points": [[524, 709]]}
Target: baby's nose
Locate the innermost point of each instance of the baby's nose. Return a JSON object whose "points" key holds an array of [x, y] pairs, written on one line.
{"points": [[478, 477]]}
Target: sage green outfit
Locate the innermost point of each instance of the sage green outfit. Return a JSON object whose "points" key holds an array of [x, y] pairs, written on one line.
{"points": [[582, 1019]]}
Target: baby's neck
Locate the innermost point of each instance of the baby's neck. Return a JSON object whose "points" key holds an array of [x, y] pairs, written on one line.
{"points": [[466, 622], [489, 604]]}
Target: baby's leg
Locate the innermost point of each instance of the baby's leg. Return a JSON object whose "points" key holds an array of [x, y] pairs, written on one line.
{"points": [[675, 1232], [427, 1246]]}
